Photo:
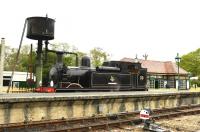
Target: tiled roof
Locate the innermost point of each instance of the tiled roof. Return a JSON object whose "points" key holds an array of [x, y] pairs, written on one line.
{"points": [[161, 67]]}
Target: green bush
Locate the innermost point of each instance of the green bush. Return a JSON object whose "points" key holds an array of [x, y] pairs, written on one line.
{"points": [[195, 82]]}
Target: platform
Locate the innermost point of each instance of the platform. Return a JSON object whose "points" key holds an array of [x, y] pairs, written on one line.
{"points": [[26, 107]]}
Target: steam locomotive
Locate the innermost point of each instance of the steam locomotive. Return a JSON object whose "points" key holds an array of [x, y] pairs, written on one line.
{"points": [[111, 76]]}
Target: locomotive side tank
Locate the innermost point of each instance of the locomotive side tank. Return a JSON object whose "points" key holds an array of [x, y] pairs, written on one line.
{"points": [[111, 76]]}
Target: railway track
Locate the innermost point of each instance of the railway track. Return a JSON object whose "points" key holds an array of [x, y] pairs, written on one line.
{"points": [[97, 122]]}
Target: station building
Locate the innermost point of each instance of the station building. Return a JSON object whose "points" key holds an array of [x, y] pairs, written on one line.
{"points": [[163, 74], [19, 78]]}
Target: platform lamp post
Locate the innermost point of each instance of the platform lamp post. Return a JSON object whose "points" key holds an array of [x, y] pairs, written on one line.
{"points": [[178, 59]]}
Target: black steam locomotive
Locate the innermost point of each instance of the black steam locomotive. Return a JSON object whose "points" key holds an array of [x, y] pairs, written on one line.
{"points": [[111, 76]]}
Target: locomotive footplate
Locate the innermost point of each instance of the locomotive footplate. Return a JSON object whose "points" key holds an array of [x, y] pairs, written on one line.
{"points": [[60, 90]]}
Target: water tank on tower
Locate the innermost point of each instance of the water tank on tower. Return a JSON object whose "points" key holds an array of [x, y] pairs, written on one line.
{"points": [[40, 28]]}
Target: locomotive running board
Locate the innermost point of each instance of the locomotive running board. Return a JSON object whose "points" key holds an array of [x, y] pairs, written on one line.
{"points": [[96, 90]]}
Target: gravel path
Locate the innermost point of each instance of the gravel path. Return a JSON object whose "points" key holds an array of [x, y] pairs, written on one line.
{"points": [[183, 124]]}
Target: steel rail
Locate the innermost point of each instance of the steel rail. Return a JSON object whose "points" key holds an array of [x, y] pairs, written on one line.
{"points": [[97, 122]]}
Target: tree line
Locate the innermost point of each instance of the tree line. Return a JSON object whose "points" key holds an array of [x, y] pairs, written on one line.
{"points": [[97, 55], [191, 63]]}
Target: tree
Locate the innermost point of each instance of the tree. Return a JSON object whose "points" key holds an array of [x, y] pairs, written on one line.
{"points": [[98, 56], [191, 62], [68, 60], [80, 55], [7, 59], [22, 63]]}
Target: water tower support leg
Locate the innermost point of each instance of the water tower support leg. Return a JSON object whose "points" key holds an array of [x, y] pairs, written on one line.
{"points": [[39, 64]]}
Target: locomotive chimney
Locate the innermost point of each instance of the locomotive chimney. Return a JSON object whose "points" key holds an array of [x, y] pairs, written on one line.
{"points": [[2, 61], [59, 57]]}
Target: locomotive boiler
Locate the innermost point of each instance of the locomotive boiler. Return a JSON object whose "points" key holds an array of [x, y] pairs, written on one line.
{"points": [[111, 76]]}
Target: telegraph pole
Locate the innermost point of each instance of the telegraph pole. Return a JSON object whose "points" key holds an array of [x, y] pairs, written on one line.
{"points": [[2, 61]]}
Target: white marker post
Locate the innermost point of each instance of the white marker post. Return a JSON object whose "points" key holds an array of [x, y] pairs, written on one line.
{"points": [[51, 83]]}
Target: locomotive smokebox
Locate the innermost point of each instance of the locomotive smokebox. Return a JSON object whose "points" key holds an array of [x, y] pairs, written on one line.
{"points": [[40, 28]]}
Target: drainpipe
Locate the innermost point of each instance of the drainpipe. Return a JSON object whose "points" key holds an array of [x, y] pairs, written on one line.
{"points": [[2, 61]]}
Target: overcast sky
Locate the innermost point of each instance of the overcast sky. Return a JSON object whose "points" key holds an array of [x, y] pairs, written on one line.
{"points": [[123, 28]]}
